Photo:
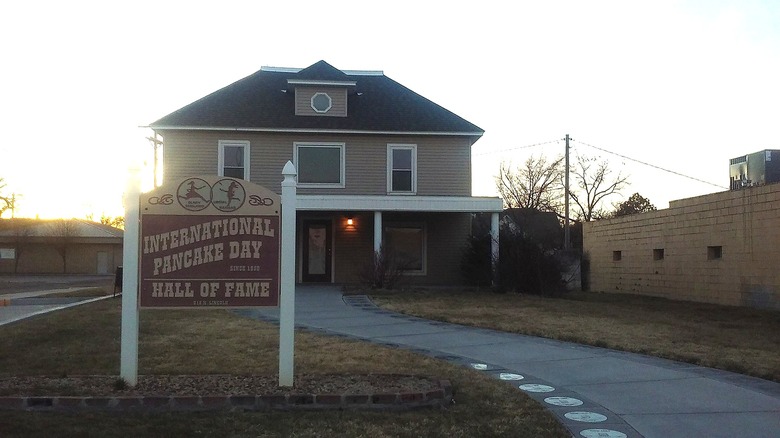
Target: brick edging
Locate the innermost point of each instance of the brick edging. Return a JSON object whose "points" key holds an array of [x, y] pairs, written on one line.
{"points": [[436, 398]]}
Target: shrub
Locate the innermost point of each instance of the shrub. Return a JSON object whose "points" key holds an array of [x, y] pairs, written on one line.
{"points": [[384, 271], [523, 266], [476, 264]]}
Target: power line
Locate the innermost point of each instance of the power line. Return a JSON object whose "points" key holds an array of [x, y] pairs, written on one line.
{"points": [[652, 165], [517, 148]]}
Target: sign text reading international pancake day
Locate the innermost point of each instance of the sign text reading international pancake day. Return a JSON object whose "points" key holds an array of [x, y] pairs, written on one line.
{"points": [[209, 242]]}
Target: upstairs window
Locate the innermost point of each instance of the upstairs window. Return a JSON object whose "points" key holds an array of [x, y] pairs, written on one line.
{"points": [[402, 169], [233, 159], [320, 164], [321, 102]]}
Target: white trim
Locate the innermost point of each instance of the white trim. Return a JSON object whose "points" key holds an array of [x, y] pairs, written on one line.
{"points": [[348, 72], [364, 72], [221, 156], [327, 144], [309, 131], [443, 204], [320, 82], [316, 110], [280, 69], [415, 225], [407, 147]]}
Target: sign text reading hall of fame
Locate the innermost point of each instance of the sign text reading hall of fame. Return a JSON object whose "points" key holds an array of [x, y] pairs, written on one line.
{"points": [[209, 242]]}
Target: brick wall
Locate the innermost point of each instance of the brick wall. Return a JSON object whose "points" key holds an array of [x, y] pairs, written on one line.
{"points": [[721, 248]]}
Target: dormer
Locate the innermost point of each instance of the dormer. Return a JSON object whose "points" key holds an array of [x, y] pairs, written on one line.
{"points": [[321, 90]]}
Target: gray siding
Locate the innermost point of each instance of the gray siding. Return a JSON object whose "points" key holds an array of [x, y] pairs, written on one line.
{"points": [[443, 163], [338, 96], [445, 237], [353, 247]]}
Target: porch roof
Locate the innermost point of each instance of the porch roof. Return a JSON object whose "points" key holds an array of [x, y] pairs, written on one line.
{"points": [[443, 204]]}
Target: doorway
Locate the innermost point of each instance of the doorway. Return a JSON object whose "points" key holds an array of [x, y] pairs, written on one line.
{"points": [[317, 251], [102, 263]]}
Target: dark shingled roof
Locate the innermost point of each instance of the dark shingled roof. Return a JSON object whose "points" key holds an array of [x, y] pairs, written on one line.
{"points": [[323, 71], [376, 103]]}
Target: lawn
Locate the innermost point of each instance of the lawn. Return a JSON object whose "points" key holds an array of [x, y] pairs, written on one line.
{"points": [[731, 338], [85, 340]]}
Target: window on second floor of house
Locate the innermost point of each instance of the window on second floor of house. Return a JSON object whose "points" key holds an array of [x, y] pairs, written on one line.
{"points": [[402, 169], [233, 159], [320, 165]]}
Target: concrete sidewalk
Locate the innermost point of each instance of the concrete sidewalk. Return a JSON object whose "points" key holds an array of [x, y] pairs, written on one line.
{"points": [[594, 392], [18, 306]]}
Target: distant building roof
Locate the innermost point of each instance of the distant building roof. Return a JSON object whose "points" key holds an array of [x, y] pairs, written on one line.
{"points": [[54, 228], [263, 101]]}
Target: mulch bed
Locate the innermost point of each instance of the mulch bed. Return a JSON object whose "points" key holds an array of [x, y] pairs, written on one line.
{"points": [[208, 392]]}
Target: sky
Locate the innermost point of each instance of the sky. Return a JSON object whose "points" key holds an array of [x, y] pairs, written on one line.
{"points": [[679, 85]]}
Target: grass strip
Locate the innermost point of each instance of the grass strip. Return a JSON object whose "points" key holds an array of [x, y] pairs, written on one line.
{"points": [[737, 339]]}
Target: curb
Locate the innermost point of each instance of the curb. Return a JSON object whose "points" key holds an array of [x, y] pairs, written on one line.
{"points": [[400, 401]]}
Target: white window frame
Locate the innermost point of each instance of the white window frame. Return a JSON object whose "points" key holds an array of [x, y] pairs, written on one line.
{"points": [[325, 144], [424, 228], [221, 156], [330, 102], [410, 147]]}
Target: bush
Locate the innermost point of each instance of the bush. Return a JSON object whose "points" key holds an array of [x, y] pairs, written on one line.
{"points": [[476, 264], [523, 266], [384, 271]]}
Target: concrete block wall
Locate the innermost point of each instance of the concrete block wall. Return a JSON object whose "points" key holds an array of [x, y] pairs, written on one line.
{"points": [[721, 248]]}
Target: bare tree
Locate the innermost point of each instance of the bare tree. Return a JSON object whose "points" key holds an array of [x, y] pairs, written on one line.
{"points": [[535, 185], [22, 239], [63, 233], [593, 183], [6, 202]]}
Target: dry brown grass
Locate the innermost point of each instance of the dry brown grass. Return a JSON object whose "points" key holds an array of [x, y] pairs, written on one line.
{"points": [[85, 340], [731, 338]]}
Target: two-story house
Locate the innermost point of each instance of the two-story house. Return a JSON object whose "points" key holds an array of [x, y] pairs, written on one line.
{"points": [[378, 165]]}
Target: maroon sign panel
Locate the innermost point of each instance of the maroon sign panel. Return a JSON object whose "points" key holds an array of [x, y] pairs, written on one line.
{"points": [[209, 242]]}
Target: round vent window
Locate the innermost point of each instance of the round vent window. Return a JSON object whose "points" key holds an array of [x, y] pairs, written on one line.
{"points": [[321, 102]]}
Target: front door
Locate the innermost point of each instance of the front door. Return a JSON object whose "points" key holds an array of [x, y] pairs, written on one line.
{"points": [[316, 251]]}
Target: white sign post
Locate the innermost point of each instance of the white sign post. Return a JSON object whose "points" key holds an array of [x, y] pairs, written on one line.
{"points": [[128, 366], [287, 280]]}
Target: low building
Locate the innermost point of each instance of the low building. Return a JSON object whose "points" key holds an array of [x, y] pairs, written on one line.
{"points": [[720, 248], [73, 246]]}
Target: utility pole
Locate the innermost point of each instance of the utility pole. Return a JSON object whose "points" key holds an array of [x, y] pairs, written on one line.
{"points": [[566, 230], [156, 143], [13, 205]]}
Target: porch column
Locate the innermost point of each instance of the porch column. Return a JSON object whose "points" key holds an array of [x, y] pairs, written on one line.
{"points": [[377, 231], [494, 246]]}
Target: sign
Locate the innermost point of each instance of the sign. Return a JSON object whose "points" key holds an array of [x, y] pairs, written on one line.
{"points": [[209, 242]]}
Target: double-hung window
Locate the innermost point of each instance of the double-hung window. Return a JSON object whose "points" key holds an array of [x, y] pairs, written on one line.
{"points": [[233, 159], [402, 169], [320, 165]]}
